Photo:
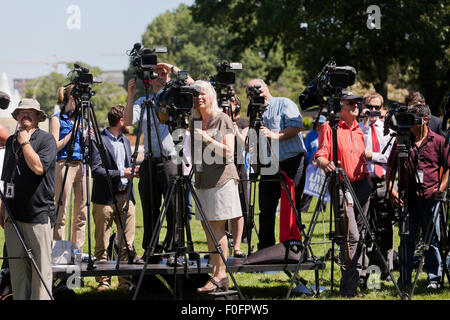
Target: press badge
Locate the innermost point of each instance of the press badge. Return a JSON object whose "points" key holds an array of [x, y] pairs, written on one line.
{"points": [[9, 194], [420, 176]]}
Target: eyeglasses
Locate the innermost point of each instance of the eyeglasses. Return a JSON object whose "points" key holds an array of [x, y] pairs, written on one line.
{"points": [[373, 107], [352, 103]]}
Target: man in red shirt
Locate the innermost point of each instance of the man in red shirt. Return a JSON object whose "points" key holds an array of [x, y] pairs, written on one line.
{"points": [[350, 225]]}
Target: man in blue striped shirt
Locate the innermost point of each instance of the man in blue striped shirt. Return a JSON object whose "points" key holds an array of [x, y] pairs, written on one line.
{"points": [[282, 126]]}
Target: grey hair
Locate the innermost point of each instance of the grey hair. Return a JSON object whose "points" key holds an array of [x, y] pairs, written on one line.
{"points": [[201, 85]]}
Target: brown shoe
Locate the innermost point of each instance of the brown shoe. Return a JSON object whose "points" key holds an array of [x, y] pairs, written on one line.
{"points": [[215, 286], [102, 287]]}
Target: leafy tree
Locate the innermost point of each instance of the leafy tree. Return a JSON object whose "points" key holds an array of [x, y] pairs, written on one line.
{"points": [[414, 36], [197, 48]]}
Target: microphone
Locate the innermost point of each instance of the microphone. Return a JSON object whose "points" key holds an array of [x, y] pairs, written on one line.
{"points": [[4, 100]]}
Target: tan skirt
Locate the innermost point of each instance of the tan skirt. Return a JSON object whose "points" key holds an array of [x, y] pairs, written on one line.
{"points": [[219, 203]]}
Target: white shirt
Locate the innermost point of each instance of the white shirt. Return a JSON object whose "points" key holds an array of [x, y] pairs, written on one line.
{"points": [[377, 157]]}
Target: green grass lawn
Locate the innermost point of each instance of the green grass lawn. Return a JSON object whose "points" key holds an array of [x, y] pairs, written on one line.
{"points": [[260, 286]]}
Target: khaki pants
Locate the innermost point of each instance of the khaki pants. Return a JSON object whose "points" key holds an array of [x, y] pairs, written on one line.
{"points": [[76, 180], [104, 215], [25, 281]]}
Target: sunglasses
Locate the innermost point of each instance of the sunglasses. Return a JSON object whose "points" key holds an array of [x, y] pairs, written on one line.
{"points": [[373, 107]]}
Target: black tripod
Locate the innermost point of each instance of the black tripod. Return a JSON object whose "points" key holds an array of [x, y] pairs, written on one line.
{"points": [[147, 108], [84, 112], [24, 245], [176, 193], [340, 183]]}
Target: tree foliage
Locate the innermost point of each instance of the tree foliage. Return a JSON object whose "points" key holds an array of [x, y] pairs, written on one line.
{"points": [[414, 37], [197, 48]]}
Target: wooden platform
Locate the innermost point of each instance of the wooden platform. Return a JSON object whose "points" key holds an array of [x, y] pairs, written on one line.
{"points": [[233, 264]]}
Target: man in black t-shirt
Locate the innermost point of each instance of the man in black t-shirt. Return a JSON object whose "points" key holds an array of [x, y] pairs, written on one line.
{"points": [[29, 178]]}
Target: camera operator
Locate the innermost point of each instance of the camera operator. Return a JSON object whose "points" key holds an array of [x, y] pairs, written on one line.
{"points": [[29, 176], [351, 157], [428, 156], [118, 162], [62, 128], [216, 177], [380, 214], [434, 123], [281, 121], [159, 184]]}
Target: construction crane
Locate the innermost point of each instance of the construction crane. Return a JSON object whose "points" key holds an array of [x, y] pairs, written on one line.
{"points": [[53, 63]]}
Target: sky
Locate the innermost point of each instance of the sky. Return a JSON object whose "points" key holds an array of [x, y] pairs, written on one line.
{"points": [[97, 32]]}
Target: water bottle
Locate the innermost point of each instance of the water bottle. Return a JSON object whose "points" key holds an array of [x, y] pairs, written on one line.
{"points": [[78, 256]]}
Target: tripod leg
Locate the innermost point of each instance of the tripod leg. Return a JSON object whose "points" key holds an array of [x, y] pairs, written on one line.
{"points": [[308, 236], [428, 239], [367, 227], [153, 241]]}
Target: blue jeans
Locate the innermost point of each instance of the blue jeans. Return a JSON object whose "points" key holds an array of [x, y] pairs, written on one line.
{"points": [[420, 214]]}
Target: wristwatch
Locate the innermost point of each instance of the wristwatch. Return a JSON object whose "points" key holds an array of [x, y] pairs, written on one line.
{"points": [[24, 143]]}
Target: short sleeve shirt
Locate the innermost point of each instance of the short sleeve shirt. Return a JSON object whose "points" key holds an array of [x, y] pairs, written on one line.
{"points": [[207, 174], [279, 114], [34, 194]]}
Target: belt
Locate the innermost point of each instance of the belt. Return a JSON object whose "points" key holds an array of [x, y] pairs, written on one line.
{"points": [[73, 161]]}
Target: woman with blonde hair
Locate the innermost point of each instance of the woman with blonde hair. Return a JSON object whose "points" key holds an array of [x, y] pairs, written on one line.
{"points": [[216, 177], [62, 129]]}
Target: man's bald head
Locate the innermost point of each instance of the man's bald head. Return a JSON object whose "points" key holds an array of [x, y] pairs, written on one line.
{"points": [[4, 134]]}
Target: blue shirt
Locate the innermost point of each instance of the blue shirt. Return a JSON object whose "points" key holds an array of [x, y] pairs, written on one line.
{"points": [[279, 114], [119, 155], [311, 144], [166, 138], [64, 129]]}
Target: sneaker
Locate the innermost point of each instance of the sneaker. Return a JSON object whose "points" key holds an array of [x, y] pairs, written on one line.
{"points": [[434, 286]]}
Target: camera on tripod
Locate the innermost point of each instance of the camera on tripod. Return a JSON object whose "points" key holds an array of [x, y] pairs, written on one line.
{"points": [[330, 82], [224, 79], [177, 99], [144, 60], [256, 106], [81, 79], [400, 118]]}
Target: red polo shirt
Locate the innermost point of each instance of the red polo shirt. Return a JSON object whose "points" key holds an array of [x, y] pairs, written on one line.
{"points": [[351, 148]]}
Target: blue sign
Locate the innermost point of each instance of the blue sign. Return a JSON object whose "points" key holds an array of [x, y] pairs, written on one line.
{"points": [[315, 178]]}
